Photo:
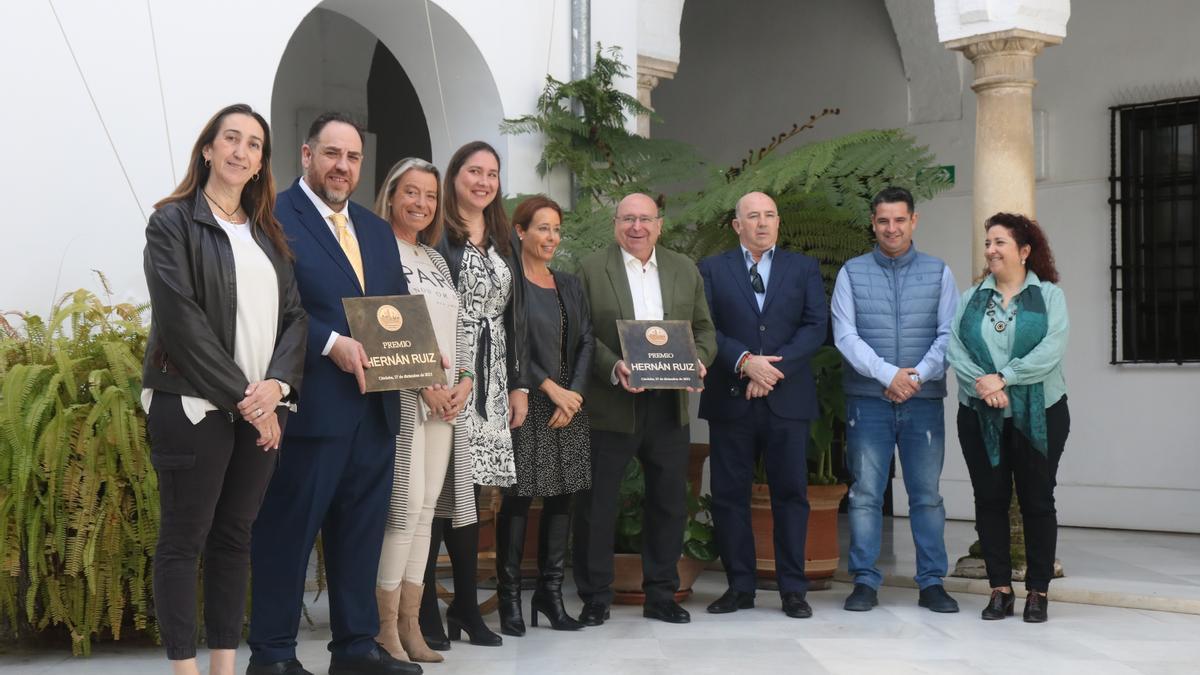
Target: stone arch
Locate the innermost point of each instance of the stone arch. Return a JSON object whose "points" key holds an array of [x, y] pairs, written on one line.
{"points": [[467, 106]]}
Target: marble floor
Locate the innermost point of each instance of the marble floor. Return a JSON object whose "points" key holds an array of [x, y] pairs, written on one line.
{"points": [[897, 637], [1140, 570]]}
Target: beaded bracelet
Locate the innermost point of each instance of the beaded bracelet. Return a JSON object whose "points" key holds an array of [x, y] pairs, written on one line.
{"points": [[742, 363]]}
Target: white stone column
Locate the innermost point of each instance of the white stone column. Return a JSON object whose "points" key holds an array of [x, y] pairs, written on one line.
{"points": [[1004, 174], [651, 71]]}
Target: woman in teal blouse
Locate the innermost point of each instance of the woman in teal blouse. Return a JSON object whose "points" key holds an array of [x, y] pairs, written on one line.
{"points": [[1007, 345]]}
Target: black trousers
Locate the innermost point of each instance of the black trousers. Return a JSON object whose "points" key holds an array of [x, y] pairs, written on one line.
{"points": [[662, 446], [1035, 478], [211, 482], [736, 445]]}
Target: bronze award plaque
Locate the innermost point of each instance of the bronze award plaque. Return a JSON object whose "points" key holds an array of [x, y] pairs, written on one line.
{"points": [[397, 334], [660, 354]]}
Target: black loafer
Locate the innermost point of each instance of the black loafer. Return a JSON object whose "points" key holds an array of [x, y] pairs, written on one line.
{"points": [[1035, 608], [936, 599], [731, 601], [667, 610], [795, 606], [593, 614], [288, 667], [999, 606], [375, 662], [861, 599]]}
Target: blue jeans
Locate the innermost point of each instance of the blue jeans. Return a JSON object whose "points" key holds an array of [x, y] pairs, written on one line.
{"points": [[874, 428]]}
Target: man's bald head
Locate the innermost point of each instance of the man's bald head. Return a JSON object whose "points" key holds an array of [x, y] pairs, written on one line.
{"points": [[756, 221], [637, 225]]}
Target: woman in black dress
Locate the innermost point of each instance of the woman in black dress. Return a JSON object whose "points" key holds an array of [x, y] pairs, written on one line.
{"points": [[551, 448]]}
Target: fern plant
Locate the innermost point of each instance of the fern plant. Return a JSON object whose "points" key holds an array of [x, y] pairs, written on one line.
{"points": [[78, 496], [582, 123], [823, 191]]}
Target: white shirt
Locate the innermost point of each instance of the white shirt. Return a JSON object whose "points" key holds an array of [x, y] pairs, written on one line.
{"points": [[646, 289], [325, 211], [644, 286]]}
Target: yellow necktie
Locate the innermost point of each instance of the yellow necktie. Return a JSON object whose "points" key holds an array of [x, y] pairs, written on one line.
{"points": [[349, 245]]}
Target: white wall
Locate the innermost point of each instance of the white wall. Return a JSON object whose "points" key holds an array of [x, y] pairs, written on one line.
{"points": [[1133, 456], [492, 57]]}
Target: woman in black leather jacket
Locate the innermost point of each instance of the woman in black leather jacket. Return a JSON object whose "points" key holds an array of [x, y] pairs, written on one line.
{"points": [[226, 350], [485, 263], [552, 448]]}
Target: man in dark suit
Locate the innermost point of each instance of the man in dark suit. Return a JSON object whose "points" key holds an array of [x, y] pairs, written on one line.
{"points": [[335, 466], [635, 279], [769, 309]]}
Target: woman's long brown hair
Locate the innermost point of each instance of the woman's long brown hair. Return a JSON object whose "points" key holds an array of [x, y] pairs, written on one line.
{"points": [[258, 196], [495, 221]]}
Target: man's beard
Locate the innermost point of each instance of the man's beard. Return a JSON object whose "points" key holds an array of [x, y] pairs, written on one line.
{"points": [[329, 196]]}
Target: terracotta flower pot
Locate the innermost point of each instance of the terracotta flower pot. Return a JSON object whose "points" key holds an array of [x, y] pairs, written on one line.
{"points": [[627, 578], [821, 546]]}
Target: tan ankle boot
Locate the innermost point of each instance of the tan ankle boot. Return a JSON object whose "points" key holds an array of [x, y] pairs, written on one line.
{"points": [[410, 625], [389, 609]]}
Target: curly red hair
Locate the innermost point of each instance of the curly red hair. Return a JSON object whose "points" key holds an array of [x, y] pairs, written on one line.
{"points": [[1026, 232]]}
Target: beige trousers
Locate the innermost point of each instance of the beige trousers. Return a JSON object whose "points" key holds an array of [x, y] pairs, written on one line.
{"points": [[404, 551]]}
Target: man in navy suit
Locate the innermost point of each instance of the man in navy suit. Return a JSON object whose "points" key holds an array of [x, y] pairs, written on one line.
{"points": [[769, 309], [335, 466]]}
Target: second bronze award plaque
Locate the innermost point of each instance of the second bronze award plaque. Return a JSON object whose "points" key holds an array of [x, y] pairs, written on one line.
{"points": [[660, 354], [397, 334]]}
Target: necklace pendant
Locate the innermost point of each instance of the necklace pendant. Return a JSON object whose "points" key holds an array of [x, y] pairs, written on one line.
{"points": [[1000, 326]]}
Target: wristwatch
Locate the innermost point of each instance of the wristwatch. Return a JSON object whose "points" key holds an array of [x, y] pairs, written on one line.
{"points": [[284, 388]]}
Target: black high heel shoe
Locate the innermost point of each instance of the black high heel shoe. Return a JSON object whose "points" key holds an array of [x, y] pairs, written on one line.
{"points": [[477, 631], [552, 554], [1035, 607], [999, 606]]}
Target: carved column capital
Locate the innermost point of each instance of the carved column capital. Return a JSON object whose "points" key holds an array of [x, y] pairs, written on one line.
{"points": [[1003, 59], [651, 71]]}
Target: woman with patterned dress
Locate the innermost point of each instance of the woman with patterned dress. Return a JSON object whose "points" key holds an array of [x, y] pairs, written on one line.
{"points": [[552, 448], [484, 262], [1007, 344], [409, 201]]}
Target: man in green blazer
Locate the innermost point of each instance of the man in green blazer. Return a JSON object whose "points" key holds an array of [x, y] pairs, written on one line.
{"points": [[636, 279]]}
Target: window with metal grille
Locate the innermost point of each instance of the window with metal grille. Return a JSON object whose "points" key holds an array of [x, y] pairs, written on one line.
{"points": [[1155, 229]]}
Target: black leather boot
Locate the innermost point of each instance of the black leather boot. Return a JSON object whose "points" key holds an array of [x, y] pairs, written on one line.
{"points": [[510, 548], [430, 616], [463, 614], [552, 555]]}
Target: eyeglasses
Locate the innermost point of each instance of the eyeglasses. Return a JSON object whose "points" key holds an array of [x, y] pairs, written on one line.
{"points": [[641, 220]]}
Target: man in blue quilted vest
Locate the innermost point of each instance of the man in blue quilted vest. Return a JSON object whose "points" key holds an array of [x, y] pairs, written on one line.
{"points": [[892, 310]]}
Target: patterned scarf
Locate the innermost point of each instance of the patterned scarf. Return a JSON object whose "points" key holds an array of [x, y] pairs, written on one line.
{"points": [[1028, 401]]}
